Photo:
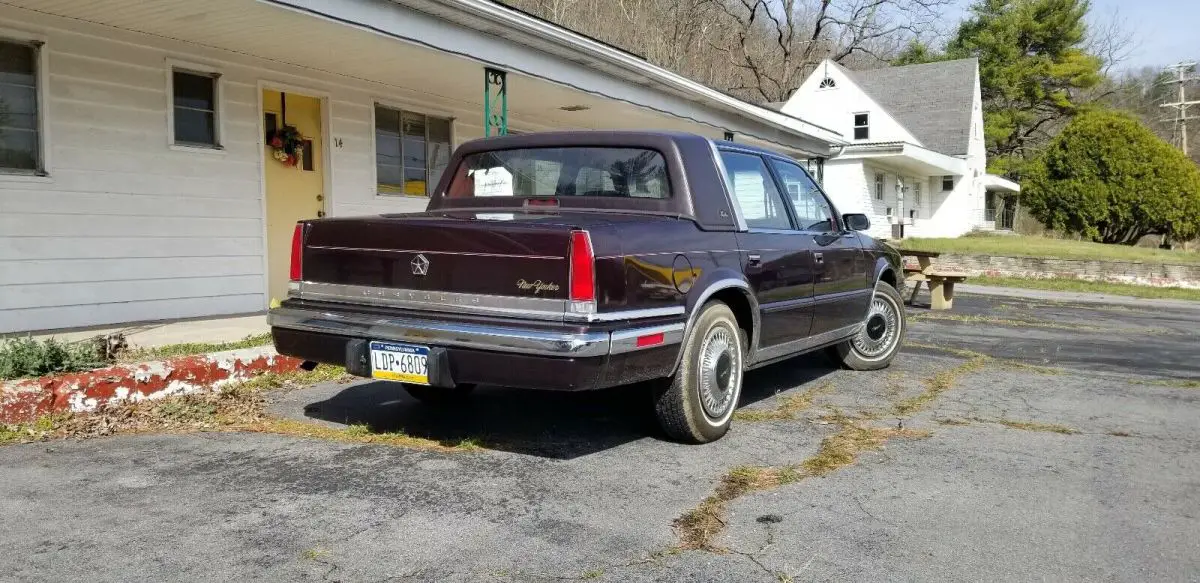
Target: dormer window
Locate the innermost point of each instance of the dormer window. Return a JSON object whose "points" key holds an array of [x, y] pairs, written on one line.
{"points": [[862, 126], [827, 83]]}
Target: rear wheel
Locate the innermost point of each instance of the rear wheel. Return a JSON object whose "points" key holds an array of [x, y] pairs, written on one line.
{"points": [[439, 395], [877, 343], [696, 405]]}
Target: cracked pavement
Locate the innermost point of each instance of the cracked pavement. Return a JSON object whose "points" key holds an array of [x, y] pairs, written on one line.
{"points": [[578, 486]]}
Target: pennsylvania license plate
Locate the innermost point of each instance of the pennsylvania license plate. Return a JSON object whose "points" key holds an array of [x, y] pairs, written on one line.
{"points": [[395, 361]]}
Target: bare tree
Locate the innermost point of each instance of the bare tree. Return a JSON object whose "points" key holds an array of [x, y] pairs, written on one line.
{"points": [[756, 49], [775, 45]]}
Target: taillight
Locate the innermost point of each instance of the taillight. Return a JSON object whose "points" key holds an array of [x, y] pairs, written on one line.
{"points": [[583, 268], [296, 272]]}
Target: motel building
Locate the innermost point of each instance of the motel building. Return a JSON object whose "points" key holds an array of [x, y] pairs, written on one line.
{"points": [[155, 155]]}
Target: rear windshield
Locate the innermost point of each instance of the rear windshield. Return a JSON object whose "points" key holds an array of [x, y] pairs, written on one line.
{"points": [[573, 171]]}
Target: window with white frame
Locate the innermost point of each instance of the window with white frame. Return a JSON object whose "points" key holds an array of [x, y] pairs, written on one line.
{"points": [[947, 183], [20, 122], [916, 191], [194, 99], [412, 151], [862, 126], [879, 178]]}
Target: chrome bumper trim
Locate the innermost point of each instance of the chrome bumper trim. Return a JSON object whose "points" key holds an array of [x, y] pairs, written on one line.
{"points": [[530, 307], [479, 336]]}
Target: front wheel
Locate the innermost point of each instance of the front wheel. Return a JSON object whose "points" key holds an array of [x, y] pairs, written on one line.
{"points": [[696, 405], [877, 343]]}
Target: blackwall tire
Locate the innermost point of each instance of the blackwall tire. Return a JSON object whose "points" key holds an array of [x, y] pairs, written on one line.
{"points": [[876, 345], [696, 405]]}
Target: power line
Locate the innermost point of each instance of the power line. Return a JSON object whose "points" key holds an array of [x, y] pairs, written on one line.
{"points": [[1181, 106]]}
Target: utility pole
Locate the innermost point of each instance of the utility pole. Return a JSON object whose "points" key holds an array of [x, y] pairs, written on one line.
{"points": [[1181, 106]]}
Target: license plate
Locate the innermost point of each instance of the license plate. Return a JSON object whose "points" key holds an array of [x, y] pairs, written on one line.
{"points": [[394, 361]]}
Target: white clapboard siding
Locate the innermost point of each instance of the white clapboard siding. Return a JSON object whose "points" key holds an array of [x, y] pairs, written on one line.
{"points": [[127, 228], [95, 314]]}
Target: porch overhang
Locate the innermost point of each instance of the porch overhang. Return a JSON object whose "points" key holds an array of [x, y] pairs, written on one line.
{"points": [[1000, 184], [431, 54], [907, 157], [551, 53]]}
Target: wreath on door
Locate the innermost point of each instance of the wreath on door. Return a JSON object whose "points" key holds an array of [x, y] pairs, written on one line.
{"points": [[288, 146]]}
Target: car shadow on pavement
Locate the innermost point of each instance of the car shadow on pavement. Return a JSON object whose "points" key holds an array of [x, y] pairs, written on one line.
{"points": [[560, 425]]}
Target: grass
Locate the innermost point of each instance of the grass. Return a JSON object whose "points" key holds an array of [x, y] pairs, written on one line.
{"points": [[1011, 322], [789, 406], [1096, 287], [184, 349], [1032, 246], [698, 528], [1035, 426], [938, 384], [240, 407]]}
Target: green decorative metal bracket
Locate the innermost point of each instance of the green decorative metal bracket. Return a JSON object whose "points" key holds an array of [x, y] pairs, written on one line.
{"points": [[495, 102]]}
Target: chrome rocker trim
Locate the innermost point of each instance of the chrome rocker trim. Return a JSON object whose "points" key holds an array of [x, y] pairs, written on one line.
{"points": [[478, 336]]}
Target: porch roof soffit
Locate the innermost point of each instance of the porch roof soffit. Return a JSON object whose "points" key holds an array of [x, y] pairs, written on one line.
{"points": [[496, 20]]}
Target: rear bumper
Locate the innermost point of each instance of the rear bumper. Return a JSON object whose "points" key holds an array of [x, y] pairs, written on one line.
{"points": [[572, 358]]}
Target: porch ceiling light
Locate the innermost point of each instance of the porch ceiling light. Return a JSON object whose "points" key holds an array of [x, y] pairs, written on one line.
{"points": [[575, 108]]}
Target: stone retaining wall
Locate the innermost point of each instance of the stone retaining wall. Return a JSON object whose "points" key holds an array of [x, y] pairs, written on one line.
{"points": [[1134, 272]]}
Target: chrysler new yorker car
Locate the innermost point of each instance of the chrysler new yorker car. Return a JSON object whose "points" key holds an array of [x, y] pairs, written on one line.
{"points": [[583, 260]]}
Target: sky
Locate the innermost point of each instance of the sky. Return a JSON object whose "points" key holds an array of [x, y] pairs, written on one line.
{"points": [[1165, 31]]}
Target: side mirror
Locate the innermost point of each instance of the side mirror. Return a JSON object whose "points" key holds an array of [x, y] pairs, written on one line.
{"points": [[856, 221]]}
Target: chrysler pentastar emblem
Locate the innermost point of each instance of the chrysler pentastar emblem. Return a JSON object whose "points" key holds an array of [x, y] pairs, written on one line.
{"points": [[420, 265]]}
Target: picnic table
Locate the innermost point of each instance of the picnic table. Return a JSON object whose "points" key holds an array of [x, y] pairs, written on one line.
{"points": [[939, 279]]}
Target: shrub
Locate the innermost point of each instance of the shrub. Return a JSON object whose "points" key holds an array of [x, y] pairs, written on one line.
{"points": [[1109, 178], [26, 357]]}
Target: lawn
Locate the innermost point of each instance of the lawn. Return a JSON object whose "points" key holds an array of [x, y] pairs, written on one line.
{"points": [[1079, 285], [1029, 246]]}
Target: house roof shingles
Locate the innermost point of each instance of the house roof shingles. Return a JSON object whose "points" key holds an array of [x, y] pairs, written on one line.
{"points": [[932, 100]]}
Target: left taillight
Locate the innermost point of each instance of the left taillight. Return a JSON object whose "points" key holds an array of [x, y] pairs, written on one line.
{"points": [[297, 268]]}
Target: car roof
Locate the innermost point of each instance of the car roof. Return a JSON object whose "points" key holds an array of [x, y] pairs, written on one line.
{"points": [[602, 138]]}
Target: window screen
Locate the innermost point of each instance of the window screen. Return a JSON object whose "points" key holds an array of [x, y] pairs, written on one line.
{"points": [[412, 151], [20, 142], [195, 103]]}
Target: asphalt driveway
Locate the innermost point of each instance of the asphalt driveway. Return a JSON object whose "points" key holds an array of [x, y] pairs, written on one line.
{"points": [[1062, 444]]}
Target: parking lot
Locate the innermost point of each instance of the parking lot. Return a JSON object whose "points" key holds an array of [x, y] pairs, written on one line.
{"points": [[1014, 439]]}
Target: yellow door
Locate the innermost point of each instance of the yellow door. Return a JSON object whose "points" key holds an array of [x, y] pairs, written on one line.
{"points": [[295, 186]]}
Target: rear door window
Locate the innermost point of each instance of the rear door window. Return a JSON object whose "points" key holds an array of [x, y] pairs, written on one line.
{"points": [[754, 191], [559, 172]]}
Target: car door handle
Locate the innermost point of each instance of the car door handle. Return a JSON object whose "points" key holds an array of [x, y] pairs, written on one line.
{"points": [[754, 259], [819, 258]]}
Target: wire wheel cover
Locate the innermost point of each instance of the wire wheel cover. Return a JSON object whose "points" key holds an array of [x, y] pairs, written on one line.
{"points": [[720, 371], [881, 331]]}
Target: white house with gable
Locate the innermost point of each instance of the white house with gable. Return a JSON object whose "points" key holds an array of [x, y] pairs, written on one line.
{"points": [[916, 162]]}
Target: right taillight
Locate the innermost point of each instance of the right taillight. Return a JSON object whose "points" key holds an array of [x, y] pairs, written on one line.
{"points": [[296, 272], [582, 288]]}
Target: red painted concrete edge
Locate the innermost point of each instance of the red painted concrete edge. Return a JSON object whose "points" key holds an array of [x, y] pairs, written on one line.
{"points": [[24, 400]]}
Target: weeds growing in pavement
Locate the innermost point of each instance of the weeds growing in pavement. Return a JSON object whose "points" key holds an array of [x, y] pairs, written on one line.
{"points": [[699, 527], [789, 406]]}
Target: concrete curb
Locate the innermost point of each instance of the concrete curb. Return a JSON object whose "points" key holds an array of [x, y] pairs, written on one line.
{"points": [[1079, 297], [24, 400]]}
